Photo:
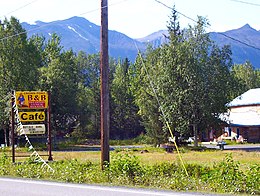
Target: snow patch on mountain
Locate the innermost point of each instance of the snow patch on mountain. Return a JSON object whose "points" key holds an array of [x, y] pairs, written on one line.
{"points": [[71, 28]]}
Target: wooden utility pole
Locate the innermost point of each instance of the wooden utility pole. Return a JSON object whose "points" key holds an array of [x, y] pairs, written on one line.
{"points": [[104, 69]]}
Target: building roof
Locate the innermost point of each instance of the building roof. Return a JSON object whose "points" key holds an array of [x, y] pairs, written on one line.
{"points": [[250, 97]]}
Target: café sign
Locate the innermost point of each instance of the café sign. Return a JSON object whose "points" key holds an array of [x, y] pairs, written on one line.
{"points": [[32, 116]]}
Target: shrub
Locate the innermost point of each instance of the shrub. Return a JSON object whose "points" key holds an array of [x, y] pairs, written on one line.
{"points": [[125, 165], [253, 179], [126, 169], [227, 177]]}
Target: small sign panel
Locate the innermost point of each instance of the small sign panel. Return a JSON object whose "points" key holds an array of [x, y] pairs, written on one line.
{"points": [[32, 116], [31, 99], [35, 129]]}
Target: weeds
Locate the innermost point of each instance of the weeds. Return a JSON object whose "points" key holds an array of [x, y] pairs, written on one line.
{"points": [[126, 169]]}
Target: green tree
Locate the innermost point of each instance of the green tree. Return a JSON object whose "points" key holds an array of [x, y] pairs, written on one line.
{"points": [[245, 77], [191, 78], [124, 118], [89, 97], [19, 60], [143, 74], [60, 77], [198, 73], [19, 63]]}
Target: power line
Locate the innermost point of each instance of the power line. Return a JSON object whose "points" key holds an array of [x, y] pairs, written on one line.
{"points": [[19, 8], [36, 28], [175, 10], [245, 2], [223, 34]]}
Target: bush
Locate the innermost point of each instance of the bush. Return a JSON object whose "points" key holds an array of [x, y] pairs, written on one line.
{"points": [[226, 177], [127, 170], [125, 166], [253, 179]]}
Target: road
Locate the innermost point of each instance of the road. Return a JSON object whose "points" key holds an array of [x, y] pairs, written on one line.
{"points": [[23, 187]]}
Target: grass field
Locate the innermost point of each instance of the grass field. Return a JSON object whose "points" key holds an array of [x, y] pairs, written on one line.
{"points": [[150, 155], [207, 170]]}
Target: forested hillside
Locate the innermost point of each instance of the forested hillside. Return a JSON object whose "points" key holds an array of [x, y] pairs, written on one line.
{"points": [[184, 82]]}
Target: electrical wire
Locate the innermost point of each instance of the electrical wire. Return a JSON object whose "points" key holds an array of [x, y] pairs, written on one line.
{"points": [[223, 34], [36, 28], [245, 2], [19, 8]]}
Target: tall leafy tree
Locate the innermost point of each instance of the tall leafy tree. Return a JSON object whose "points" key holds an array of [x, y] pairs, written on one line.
{"points": [[19, 63], [19, 59], [199, 77], [143, 75], [124, 118], [60, 77], [245, 77], [89, 97], [191, 78]]}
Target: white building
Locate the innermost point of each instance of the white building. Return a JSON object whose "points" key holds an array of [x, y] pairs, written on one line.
{"points": [[243, 116]]}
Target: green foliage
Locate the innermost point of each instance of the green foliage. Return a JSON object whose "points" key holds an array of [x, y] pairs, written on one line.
{"points": [[227, 177], [245, 77], [19, 62], [126, 167], [145, 72], [253, 179], [127, 170], [5, 163], [89, 95], [125, 122], [186, 81]]}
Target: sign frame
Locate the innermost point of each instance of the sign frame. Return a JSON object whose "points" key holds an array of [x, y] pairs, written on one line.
{"points": [[32, 99]]}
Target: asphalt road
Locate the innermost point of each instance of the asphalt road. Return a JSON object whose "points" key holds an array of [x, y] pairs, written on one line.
{"points": [[23, 187]]}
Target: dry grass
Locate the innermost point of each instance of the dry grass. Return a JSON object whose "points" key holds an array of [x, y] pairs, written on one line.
{"points": [[205, 158], [152, 157]]}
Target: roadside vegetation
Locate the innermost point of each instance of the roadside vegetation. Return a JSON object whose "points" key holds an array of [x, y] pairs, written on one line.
{"points": [[211, 171]]}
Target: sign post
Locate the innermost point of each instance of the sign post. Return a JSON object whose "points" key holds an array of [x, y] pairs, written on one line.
{"points": [[12, 127], [31, 100], [49, 127]]}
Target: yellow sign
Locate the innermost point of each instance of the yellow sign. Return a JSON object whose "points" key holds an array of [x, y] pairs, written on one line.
{"points": [[32, 116], [35, 129], [31, 99]]}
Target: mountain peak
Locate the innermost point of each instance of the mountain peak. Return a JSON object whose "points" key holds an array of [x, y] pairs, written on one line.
{"points": [[247, 27]]}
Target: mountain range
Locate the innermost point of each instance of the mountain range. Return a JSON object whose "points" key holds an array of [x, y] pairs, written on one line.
{"points": [[79, 34]]}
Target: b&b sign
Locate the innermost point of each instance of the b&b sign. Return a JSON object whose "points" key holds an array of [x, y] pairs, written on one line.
{"points": [[31, 99]]}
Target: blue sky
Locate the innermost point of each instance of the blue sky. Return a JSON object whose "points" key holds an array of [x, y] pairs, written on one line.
{"points": [[138, 18]]}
